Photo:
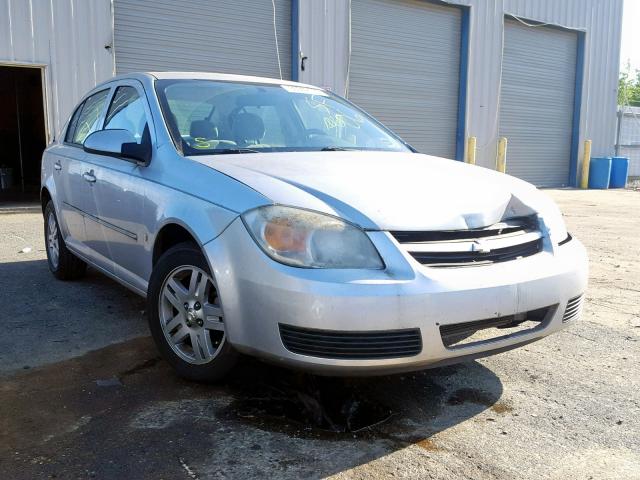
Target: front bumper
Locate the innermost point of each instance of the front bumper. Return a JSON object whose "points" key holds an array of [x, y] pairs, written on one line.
{"points": [[258, 293]]}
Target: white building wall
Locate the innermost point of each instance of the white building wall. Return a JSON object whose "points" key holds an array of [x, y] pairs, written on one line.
{"points": [[600, 19], [68, 38], [323, 27], [65, 37]]}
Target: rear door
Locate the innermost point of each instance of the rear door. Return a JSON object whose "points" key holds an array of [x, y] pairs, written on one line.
{"points": [[117, 230], [75, 197]]}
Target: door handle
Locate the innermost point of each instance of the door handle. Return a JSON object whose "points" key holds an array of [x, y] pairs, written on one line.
{"points": [[57, 166], [89, 176]]}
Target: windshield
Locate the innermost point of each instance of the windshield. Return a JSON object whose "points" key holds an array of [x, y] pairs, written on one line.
{"points": [[207, 117]]}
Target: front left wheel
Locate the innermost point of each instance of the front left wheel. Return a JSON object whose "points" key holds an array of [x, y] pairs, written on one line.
{"points": [[186, 317]]}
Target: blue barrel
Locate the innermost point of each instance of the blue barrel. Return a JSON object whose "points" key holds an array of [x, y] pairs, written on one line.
{"points": [[619, 172], [599, 172]]}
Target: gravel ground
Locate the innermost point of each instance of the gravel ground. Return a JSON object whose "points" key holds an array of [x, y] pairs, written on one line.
{"points": [[83, 394]]}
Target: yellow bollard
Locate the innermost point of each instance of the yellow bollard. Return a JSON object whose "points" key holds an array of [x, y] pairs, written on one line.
{"points": [[586, 158], [471, 150], [502, 155]]}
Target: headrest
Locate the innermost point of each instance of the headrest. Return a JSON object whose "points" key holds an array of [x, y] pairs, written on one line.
{"points": [[248, 126], [203, 129]]}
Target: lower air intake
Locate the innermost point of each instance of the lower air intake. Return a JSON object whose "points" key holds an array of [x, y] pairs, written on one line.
{"points": [[351, 345]]}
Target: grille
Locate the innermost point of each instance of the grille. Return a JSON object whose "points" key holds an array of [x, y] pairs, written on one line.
{"points": [[509, 227], [444, 259], [355, 345], [574, 307], [501, 242]]}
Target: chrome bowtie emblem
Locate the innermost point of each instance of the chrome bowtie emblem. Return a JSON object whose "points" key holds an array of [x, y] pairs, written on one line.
{"points": [[480, 247]]}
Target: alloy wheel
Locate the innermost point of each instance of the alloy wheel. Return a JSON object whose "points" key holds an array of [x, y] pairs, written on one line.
{"points": [[53, 247], [191, 315]]}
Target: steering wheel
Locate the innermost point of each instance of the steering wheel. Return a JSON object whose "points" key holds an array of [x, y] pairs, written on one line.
{"points": [[310, 132]]}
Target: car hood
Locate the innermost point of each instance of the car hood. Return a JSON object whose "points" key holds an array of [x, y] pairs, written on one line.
{"points": [[383, 190]]}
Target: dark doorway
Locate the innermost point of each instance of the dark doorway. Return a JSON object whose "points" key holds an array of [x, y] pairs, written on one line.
{"points": [[22, 133]]}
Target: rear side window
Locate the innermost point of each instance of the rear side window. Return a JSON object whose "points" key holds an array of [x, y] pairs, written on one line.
{"points": [[72, 124], [126, 112], [88, 118]]}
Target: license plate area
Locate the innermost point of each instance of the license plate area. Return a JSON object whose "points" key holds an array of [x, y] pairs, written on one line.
{"points": [[477, 332]]}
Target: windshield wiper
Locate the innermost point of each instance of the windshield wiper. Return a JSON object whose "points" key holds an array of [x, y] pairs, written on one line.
{"points": [[336, 149], [222, 151]]}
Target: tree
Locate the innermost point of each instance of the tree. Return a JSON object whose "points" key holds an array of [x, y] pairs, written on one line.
{"points": [[629, 88]]}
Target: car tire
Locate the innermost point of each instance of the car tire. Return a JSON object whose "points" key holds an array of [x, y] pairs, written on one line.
{"points": [[185, 315], [62, 263]]}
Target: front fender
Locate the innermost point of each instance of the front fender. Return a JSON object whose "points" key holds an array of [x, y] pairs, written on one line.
{"points": [[202, 219]]}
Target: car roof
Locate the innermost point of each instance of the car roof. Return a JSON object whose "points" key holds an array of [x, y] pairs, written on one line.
{"points": [[205, 76]]}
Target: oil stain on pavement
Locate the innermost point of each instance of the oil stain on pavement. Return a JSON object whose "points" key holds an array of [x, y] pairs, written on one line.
{"points": [[120, 412]]}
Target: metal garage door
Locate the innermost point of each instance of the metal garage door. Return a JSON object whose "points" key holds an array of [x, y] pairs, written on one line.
{"points": [[229, 36], [404, 69], [536, 102]]}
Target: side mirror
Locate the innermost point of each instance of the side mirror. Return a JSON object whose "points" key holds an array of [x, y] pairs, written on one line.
{"points": [[119, 144]]}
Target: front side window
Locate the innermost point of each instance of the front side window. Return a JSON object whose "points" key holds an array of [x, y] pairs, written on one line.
{"points": [[89, 117], [126, 112], [209, 117]]}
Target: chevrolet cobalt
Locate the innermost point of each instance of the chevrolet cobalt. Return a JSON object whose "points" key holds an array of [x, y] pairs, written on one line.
{"points": [[278, 220]]}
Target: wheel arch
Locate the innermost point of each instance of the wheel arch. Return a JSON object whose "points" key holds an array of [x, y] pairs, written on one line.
{"points": [[45, 197], [172, 233], [48, 194]]}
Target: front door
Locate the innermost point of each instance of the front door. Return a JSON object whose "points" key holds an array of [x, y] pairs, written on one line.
{"points": [[118, 232]]}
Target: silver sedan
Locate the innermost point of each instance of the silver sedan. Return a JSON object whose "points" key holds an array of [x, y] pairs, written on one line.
{"points": [[277, 219]]}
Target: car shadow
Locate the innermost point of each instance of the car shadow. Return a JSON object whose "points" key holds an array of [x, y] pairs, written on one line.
{"points": [[120, 411], [67, 318]]}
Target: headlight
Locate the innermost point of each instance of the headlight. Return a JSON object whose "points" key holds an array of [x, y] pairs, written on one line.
{"points": [[302, 238]]}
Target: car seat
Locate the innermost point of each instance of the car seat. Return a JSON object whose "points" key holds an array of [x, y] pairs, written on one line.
{"points": [[203, 129], [248, 129]]}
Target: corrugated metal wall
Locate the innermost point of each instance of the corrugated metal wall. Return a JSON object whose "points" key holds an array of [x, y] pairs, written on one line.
{"points": [[165, 35], [601, 19], [537, 99], [630, 135], [68, 38], [405, 60]]}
